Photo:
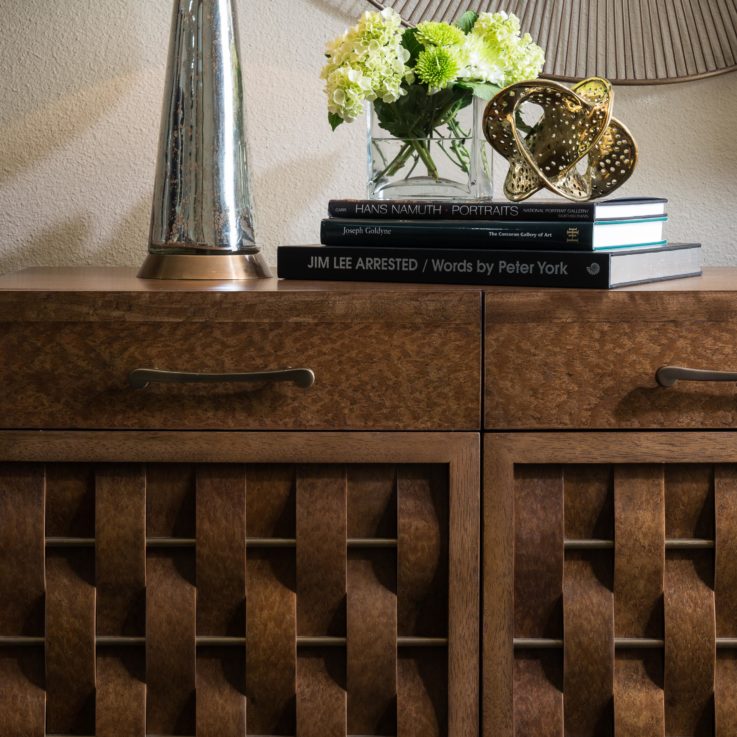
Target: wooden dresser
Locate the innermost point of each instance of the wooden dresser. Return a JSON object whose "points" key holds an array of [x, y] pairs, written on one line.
{"points": [[307, 509]]}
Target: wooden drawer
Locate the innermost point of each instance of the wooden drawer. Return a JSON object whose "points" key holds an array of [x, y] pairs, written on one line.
{"points": [[588, 359], [381, 360]]}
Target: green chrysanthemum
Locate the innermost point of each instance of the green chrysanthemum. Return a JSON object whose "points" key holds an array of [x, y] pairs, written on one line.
{"points": [[437, 67], [432, 33]]}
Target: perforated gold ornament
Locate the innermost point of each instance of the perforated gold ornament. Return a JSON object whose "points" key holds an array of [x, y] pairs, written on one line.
{"points": [[576, 149]]}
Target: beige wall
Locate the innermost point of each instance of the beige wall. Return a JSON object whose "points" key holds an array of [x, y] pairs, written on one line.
{"points": [[80, 97]]}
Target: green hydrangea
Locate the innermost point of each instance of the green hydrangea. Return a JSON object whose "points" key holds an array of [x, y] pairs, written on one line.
{"points": [[432, 33], [438, 66], [366, 63]]}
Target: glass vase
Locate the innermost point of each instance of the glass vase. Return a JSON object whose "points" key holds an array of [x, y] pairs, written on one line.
{"points": [[453, 161]]}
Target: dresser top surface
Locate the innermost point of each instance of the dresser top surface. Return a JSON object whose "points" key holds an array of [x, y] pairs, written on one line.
{"points": [[123, 279]]}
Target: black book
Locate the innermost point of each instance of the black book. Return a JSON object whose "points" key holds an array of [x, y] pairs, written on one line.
{"points": [[541, 235], [494, 268], [531, 210]]}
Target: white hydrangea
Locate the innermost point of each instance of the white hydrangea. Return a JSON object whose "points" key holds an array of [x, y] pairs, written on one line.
{"points": [[480, 62], [516, 56]]}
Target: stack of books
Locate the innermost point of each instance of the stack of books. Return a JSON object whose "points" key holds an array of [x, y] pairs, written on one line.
{"points": [[603, 244]]}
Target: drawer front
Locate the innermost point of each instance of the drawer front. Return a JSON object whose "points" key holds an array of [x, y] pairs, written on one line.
{"points": [[380, 362], [609, 585], [287, 585], [589, 360]]}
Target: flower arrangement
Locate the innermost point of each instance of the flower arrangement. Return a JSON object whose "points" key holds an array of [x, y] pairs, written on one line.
{"points": [[418, 79]]}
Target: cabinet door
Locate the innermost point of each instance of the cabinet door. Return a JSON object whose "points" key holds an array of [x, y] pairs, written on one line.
{"points": [[610, 585], [230, 584]]}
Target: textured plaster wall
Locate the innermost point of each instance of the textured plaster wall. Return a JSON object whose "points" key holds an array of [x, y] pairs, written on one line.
{"points": [[80, 98]]}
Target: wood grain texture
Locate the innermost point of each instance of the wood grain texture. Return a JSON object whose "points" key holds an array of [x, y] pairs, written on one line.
{"points": [[538, 698], [639, 550], [435, 682], [538, 551], [321, 693], [725, 553], [675, 678], [55, 376], [321, 550], [725, 694], [120, 550], [422, 551], [498, 667], [170, 643], [372, 501], [371, 654], [220, 551], [120, 698], [689, 501], [271, 633], [70, 642], [422, 693], [22, 696], [588, 608], [221, 700], [464, 590], [70, 500], [233, 447], [22, 582], [171, 498], [690, 651], [589, 502], [639, 709], [123, 279], [574, 361]]}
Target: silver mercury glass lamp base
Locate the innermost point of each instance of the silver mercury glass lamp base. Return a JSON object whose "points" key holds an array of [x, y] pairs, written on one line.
{"points": [[217, 267], [201, 220]]}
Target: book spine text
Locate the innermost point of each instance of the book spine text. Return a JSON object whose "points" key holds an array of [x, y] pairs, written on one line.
{"points": [[444, 234], [442, 210], [434, 266]]}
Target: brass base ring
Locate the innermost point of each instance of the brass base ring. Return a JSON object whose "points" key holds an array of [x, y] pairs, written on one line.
{"points": [[212, 267]]}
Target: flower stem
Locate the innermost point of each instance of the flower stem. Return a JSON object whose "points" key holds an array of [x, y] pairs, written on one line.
{"points": [[396, 163], [427, 160]]}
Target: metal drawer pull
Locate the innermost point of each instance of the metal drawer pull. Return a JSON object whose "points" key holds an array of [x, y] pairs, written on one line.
{"points": [[669, 375], [141, 378]]}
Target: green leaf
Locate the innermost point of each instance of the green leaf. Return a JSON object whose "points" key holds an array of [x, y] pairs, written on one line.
{"points": [[416, 114], [467, 21], [410, 42], [335, 120], [482, 90]]}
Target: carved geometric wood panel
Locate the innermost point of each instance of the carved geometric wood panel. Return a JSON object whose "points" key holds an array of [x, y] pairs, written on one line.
{"points": [[219, 599], [623, 619]]}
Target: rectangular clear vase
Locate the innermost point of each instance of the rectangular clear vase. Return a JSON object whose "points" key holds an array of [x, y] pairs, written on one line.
{"points": [[452, 162]]}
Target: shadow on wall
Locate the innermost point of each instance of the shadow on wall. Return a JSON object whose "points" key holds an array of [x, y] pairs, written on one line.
{"points": [[53, 124], [66, 66], [74, 236]]}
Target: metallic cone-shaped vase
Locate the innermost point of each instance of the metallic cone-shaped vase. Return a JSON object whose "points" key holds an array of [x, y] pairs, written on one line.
{"points": [[201, 222]]}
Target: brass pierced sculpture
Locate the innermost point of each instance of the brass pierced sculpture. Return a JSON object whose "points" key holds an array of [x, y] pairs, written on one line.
{"points": [[575, 124]]}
